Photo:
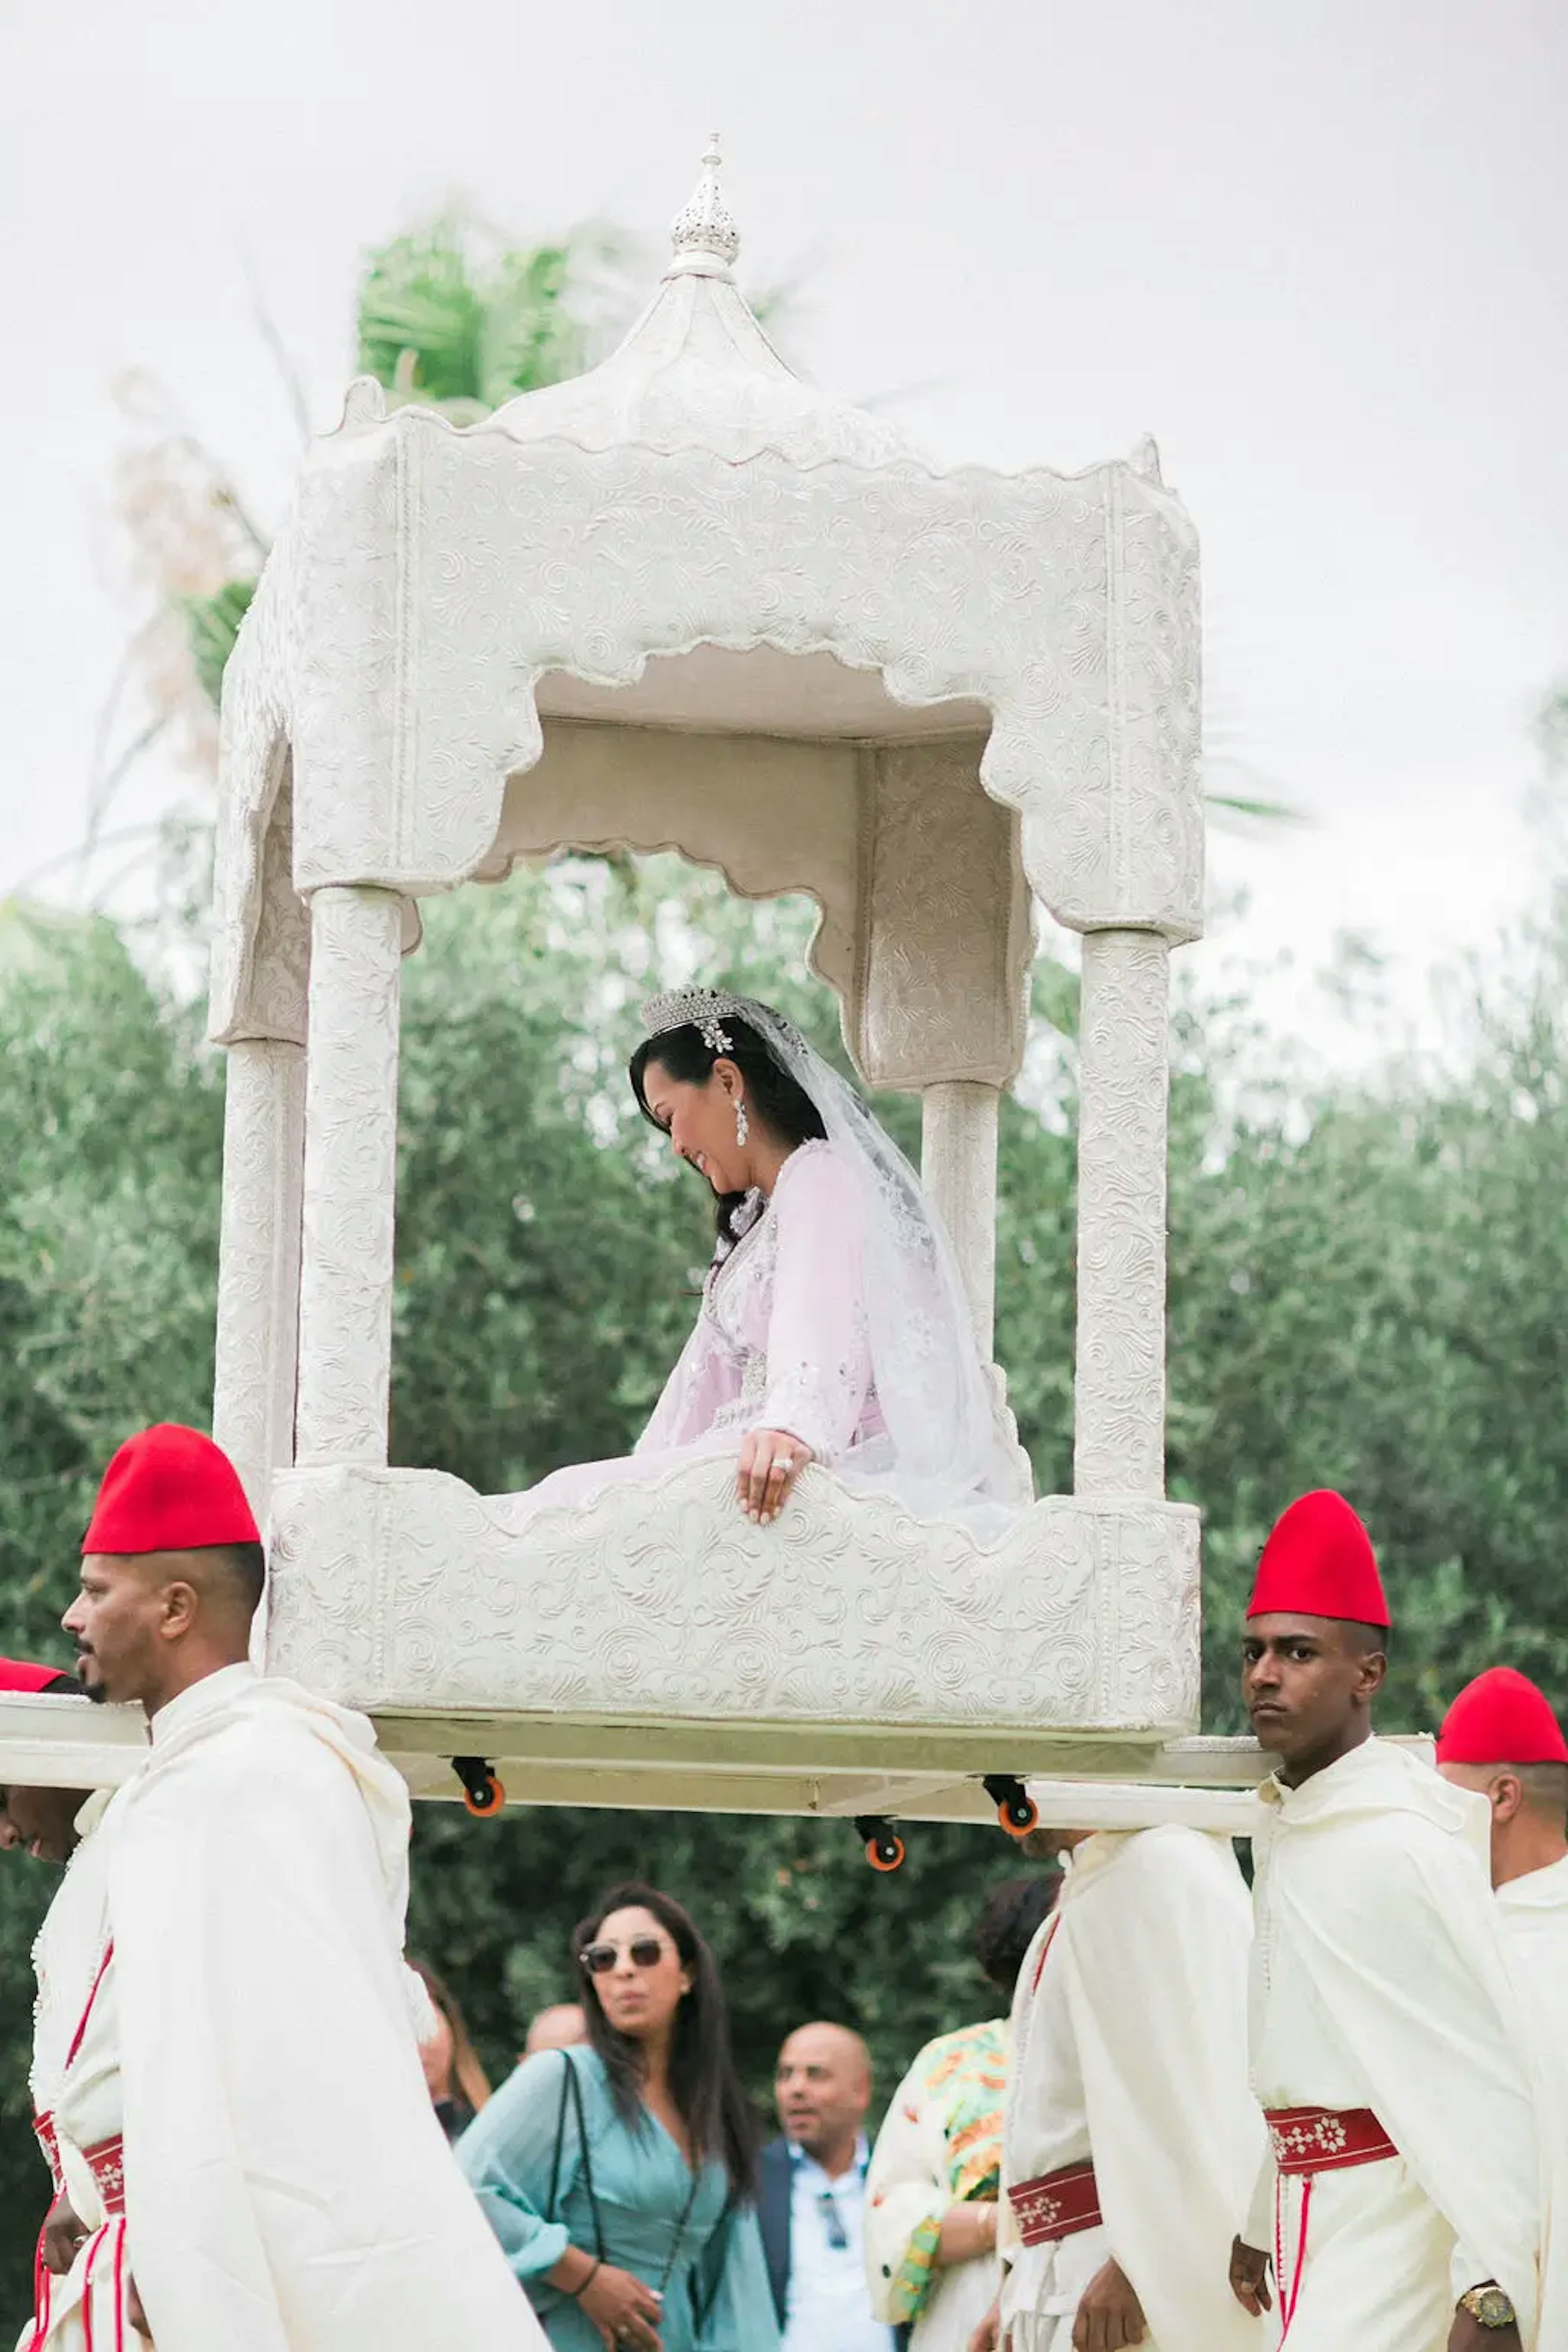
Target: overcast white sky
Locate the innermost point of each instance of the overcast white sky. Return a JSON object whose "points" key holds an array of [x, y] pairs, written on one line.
{"points": [[1317, 251]]}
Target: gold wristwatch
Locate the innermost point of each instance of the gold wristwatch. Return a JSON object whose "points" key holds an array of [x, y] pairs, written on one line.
{"points": [[1489, 2305]]}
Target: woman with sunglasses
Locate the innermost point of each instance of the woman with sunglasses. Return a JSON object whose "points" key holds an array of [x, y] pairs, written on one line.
{"points": [[620, 2178]]}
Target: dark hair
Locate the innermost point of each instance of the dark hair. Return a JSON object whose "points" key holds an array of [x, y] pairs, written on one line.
{"points": [[466, 2074], [1545, 1786], [241, 1571], [1009, 1921], [702, 2078], [774, 1099], [246, 1563]]}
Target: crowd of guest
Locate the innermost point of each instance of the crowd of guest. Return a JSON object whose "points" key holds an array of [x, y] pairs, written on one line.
{"points": [[620, 2169]]}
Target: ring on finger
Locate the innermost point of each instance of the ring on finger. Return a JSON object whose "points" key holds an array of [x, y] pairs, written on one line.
{"points": [[782, 1465]]}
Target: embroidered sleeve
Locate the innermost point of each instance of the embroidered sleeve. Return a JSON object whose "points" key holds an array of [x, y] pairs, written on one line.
{"points": [[818, 1352], [907, 2195], [910, 2290], [705, 1380]]}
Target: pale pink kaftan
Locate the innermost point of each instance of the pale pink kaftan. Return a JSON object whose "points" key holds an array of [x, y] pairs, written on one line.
{"points": [[781, 1342]]}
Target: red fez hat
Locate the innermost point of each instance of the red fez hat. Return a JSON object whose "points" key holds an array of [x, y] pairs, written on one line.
{"points": [[1318, 1563], [170, 1489], [1501, 1719], [21, 1674]]}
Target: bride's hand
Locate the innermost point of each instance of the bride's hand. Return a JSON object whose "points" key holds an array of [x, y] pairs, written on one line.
{"points": [[771, 1459]]}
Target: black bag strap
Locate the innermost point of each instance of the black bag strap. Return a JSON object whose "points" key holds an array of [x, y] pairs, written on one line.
{"points": [[560, 2135], [572, 2095], [708, 2268]]}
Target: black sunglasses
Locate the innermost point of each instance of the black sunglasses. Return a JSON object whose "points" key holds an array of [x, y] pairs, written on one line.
{"points": [[832, 2221], [643, 1951]]}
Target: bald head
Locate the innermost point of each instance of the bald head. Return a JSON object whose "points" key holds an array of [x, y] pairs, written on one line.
{"points": [[1529, 1813], [1540, 1788], [822, 2087], [561, 2027]]}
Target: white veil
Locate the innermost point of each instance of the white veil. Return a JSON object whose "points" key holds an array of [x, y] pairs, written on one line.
{"points": [[933, 1388]]}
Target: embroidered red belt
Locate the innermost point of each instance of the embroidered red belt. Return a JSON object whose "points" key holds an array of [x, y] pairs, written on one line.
{"points": [[106, 2162], [1056, 2204], [1326, 2139], [44, 2127]]}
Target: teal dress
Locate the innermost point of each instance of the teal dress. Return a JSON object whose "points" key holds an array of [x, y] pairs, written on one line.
{"points": [[690, 2240]]}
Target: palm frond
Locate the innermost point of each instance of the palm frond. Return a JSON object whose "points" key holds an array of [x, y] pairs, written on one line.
{"points": [[528, 335], [452, 316], [418, 296]]}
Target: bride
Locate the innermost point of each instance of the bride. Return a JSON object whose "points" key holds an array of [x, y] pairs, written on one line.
{"points": [[833, 1326]]}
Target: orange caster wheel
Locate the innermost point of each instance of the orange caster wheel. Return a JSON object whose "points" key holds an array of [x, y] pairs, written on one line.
{"points": [[482, 1792], [884, 1846], [1015, 1808]]}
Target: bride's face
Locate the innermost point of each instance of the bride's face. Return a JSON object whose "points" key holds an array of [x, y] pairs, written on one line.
{"points": [[699, 1121]]}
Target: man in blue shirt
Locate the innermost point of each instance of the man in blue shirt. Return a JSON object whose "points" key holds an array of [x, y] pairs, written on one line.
{"points": [[814, 2193]]}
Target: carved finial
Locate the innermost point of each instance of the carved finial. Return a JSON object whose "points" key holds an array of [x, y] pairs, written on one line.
{"points": [[1145, 460], [706, 226], [364, 404]]}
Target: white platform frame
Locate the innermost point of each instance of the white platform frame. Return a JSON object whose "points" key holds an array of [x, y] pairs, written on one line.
{"points": [[688, 602]]}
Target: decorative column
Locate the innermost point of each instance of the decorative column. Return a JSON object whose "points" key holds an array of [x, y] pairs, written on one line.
{"points": [[351, 1154], [1123, 1091], [258, 1261], [958, 1168]]}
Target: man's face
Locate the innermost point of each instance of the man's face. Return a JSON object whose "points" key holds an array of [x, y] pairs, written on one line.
{"points": [[40, 1820], [1305, 1680], [822, 2087], [115, 1621]]}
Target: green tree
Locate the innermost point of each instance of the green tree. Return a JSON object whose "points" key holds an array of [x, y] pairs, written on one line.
{"points": [[1366, 1288]]}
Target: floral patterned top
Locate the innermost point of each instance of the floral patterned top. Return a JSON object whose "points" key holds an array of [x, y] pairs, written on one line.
{"points": [[940, 2146]]}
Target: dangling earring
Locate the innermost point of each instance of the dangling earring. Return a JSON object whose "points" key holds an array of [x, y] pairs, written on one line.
{"points": [[742, 1124]]}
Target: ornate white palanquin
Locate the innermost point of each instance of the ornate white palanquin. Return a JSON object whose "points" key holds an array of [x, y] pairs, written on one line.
{"points": [[687, 601]]}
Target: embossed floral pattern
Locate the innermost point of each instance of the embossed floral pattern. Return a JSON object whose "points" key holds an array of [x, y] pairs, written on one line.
{"points": [[405, 1590]]}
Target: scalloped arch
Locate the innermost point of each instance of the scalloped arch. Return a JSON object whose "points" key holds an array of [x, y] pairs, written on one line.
{"points": [[427, 581]]}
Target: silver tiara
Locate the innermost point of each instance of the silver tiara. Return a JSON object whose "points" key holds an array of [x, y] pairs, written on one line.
{"points": [[706, 1010]]}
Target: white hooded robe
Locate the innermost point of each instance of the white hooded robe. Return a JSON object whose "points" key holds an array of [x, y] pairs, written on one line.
{"points": [[1130, 2052], [287, 2186], [1379, 1981]]}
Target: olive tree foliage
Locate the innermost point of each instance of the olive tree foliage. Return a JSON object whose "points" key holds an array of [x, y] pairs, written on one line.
{"points": [[1368, 1291], [1367, 1285]]}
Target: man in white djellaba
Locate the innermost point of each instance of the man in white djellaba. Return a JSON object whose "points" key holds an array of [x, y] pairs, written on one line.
{"points": [[285, 2184], [1405, 2203], [1131, 2136], [1501, 1739], [79, 2287]]}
